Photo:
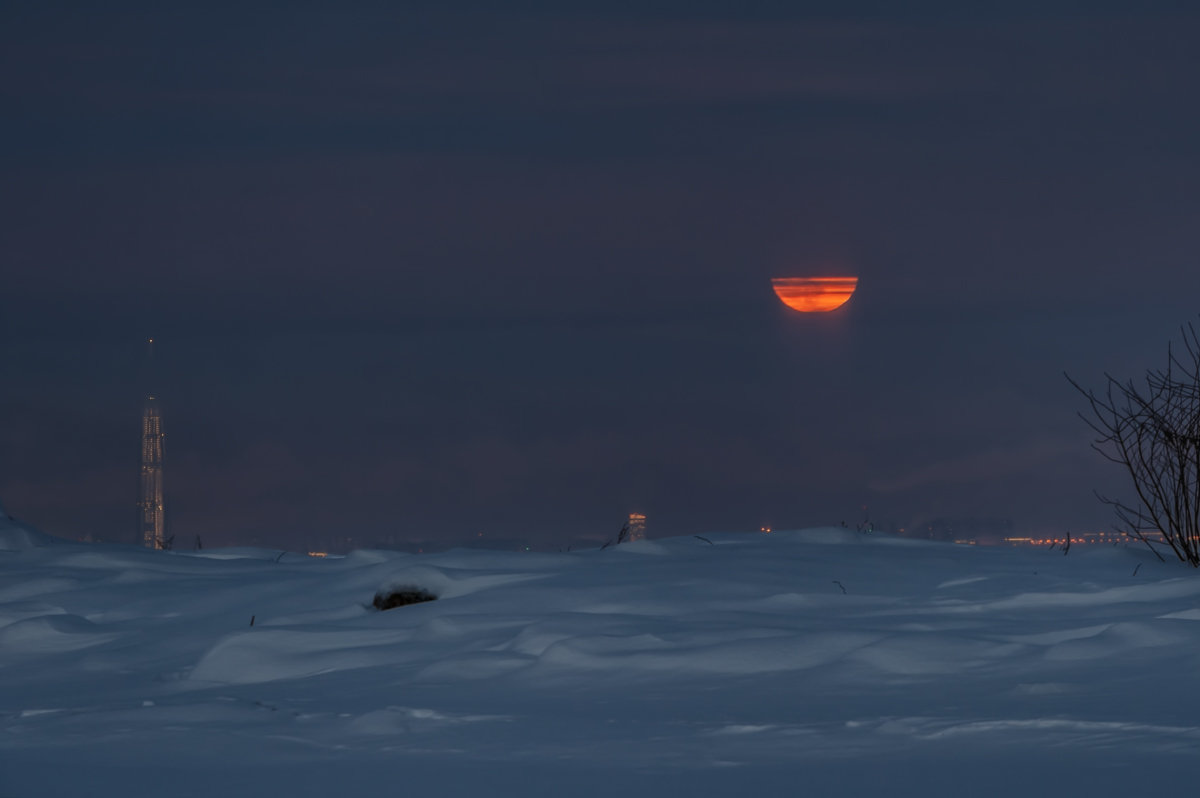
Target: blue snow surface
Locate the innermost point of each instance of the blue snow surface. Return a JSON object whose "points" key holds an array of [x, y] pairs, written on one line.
{"points": [[657, 668]]}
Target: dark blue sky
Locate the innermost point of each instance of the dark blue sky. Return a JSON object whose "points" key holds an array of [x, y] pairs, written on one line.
{"points": [[425, 270]]}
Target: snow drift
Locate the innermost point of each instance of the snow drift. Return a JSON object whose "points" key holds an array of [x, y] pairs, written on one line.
{"points": [[818, 661]]}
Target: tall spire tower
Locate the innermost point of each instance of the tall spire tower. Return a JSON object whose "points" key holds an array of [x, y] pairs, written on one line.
{"points": [[152, 521]]}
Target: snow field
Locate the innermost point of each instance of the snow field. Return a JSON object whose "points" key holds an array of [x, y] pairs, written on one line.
{"points": [[822, 659]]}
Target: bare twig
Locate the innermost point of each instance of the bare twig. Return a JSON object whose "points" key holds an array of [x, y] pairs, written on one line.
{"points": [[1153, 432], [622, 536]]}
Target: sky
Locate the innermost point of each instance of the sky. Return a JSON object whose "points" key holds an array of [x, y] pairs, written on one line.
{"points": [[436, 271]]}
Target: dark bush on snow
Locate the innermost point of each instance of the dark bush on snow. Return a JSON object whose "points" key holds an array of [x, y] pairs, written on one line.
{"points": [[400, 596], [1153, 432]]}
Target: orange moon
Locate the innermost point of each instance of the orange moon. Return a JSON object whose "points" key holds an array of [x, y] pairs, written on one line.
{"points": [[814, 294]]}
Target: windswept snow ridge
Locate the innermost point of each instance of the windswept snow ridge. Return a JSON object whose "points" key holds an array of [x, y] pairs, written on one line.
{"points": [[15, 536], [848, 663]]}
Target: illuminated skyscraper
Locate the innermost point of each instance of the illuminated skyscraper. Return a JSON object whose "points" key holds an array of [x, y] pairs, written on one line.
{"points": [[636, 526], [152, 516], [152, 521]]}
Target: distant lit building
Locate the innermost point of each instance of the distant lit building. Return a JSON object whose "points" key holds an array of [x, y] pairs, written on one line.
{"points": [[151, 511], [1111, 538], [636, 526]]}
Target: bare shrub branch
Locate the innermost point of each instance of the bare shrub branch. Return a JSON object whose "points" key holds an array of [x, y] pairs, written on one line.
{"points": [[1153, 432]]}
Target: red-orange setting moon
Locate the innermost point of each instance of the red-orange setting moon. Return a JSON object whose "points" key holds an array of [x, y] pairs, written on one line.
{"points": [[814, 294]]}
